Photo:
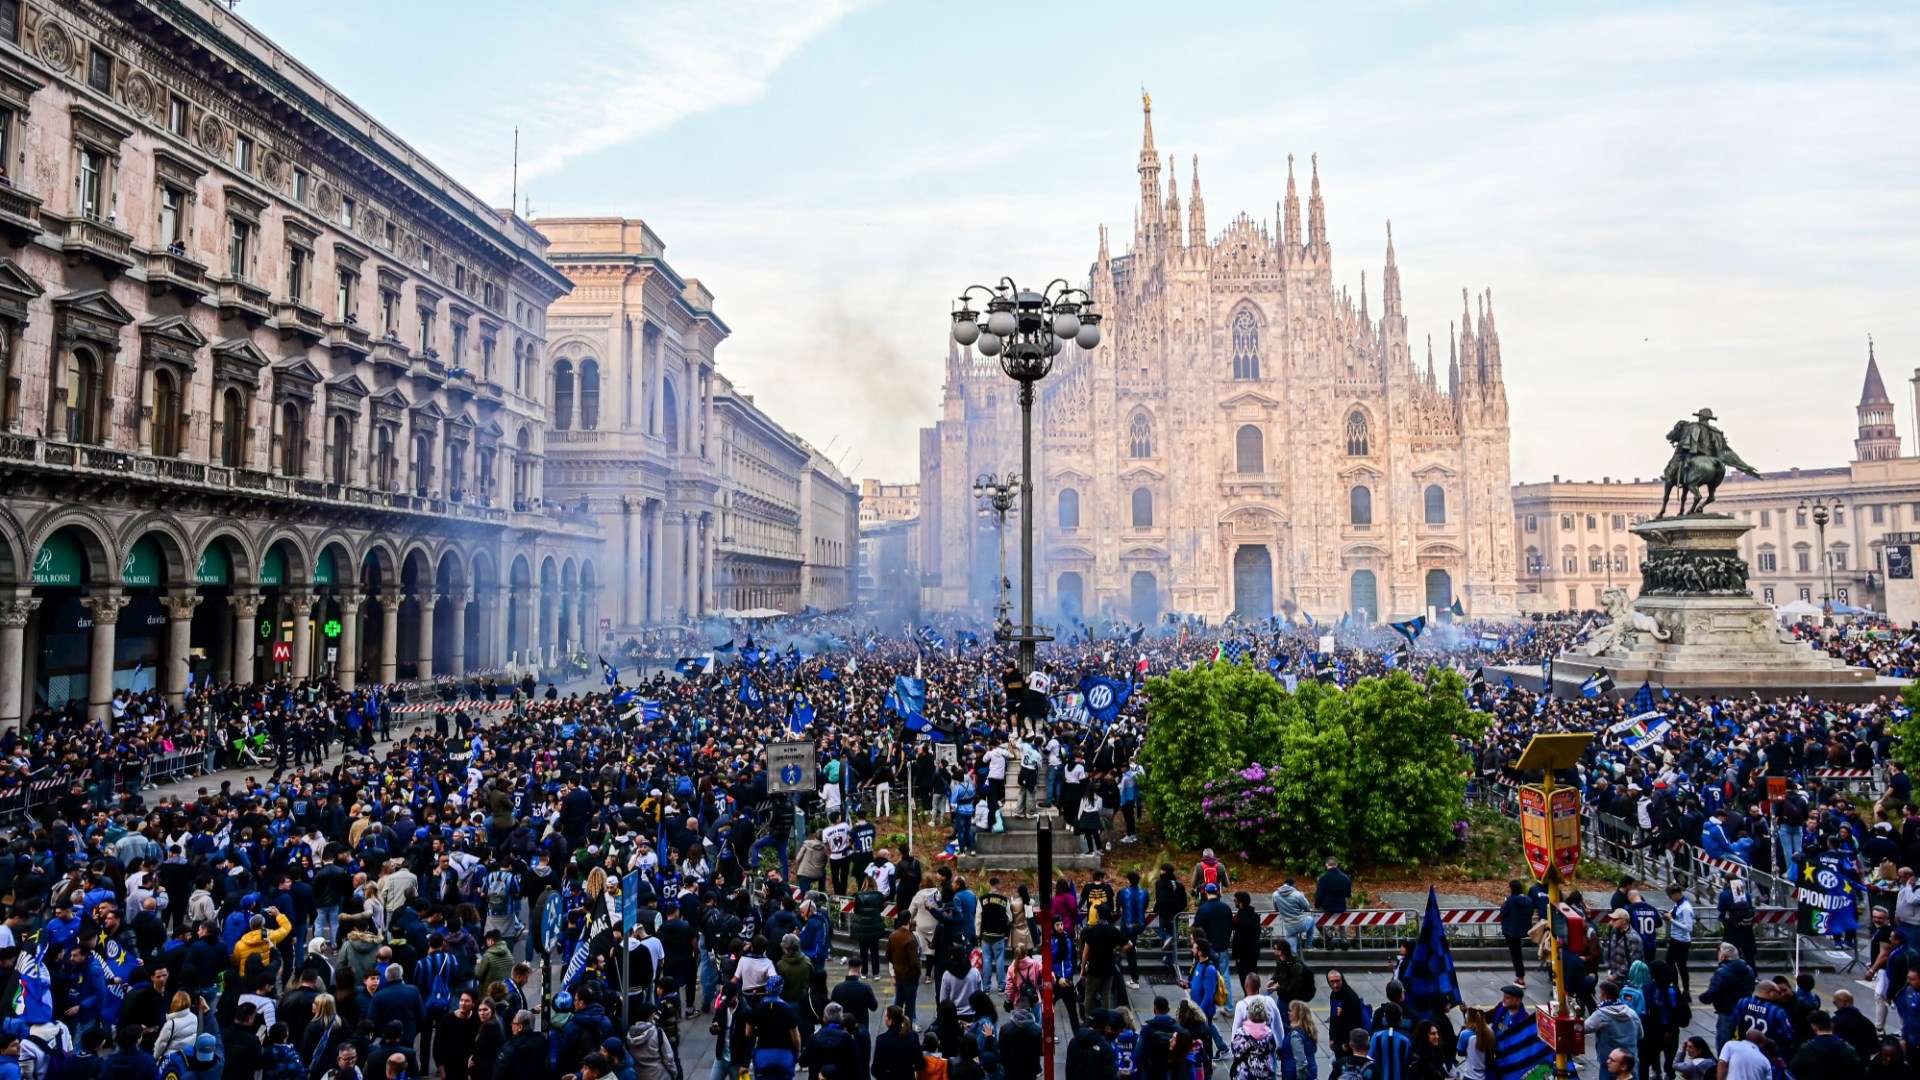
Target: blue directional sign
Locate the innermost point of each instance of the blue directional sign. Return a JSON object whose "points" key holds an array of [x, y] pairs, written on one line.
{"points": [[553, 917], [790, 767]]}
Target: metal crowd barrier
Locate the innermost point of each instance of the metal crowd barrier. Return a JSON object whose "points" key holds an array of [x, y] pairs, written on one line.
{"points": [[1386, 928], [1624, 844]]}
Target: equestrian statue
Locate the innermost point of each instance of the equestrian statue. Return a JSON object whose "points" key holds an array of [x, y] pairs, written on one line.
{"points": [[1699, 463]]}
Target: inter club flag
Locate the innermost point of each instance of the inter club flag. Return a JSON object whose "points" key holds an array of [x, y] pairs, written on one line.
{"points": [[1596, 684], [1104, 697], [1411, 629], [1458, 611], [1643, 698], [1432, 987], [750, 695], [1829, 895], [608, 671], [801, 716], [33, 997]]}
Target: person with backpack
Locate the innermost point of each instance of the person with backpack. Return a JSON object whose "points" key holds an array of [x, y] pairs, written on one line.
{"points": [[1209, 871], [995, 924], [434, 976], [1355, 1063], [1157, 1037], [1206, 987], [203, 1062]]}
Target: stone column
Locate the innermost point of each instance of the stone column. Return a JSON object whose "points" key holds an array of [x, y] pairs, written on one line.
{"points": [[550, 623], [390, 636], [712, 534], [457, 653], [633, 597], [494, 621], [302, 601], [690, 564], [348, 669], [180, 604], [104, 605], [15, 611], [245, 607], [423, 666], [656, 560]]}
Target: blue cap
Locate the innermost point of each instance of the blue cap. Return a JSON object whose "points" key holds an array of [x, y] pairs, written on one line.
{"points": [[206, 1047], [563, 1001]]}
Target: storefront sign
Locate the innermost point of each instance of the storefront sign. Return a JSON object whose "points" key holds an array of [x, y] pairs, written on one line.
{"points": [[59, 561], [143, 563], [273, 568], [323, 568], [215, 568]]}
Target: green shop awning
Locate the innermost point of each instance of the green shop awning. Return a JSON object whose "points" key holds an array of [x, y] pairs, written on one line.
{"points": [[273, 569], [144, 565], [59, 561], [323, 568], [215, 567]]}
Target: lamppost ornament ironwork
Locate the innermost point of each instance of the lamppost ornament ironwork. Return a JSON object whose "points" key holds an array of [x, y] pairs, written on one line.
{"points": [[1821, 515], [997, 497], [1025, 330]]}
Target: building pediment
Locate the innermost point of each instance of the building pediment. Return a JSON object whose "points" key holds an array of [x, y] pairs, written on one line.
{"points": [[1143, 553], [1359, 472], [1250, 398], [1140, 473], [171, 339], [296, 368], [429, 410], [17, 289], [241, 351], [1070, 554], [94, 304], [349, 384], [1433, 472], [1363, 550], [1250, 517], [1071, 476], [1440, 549], [461, 421]]}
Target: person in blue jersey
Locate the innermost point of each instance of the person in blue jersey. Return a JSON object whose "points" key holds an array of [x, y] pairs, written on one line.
{"points": [[1763, 1011], [1206, 988], [1390, 1048]]}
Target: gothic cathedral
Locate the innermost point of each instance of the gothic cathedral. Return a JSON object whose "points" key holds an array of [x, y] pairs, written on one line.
{"points": [[1247, 440]]}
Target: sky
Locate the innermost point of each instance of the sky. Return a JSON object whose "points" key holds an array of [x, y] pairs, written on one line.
{"points": [[1676, 206]]}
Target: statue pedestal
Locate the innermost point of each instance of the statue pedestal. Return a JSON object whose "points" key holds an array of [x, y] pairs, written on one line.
{"points": [[1697, 628]]}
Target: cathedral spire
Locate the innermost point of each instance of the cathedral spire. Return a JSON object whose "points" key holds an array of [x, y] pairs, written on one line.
{"points": [[1316, 211], [1469, 351], [1149, 175], [1196, 210], [1290, 235], [1390, 281], [1171, 220], [1364, 319]]}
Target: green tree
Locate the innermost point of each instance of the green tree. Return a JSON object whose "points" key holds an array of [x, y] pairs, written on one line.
{"points": [[1377, 768]]}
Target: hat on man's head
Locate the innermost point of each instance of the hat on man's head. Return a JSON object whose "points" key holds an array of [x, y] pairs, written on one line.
{"points": [[206, 1047]]}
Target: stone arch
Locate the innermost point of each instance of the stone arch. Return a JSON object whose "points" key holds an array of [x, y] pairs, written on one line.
{"points": [[344, 575], [92, 533], [450, 569], [179, 551], [300, 555], [13, 558], [246, 564], [378, 555]]}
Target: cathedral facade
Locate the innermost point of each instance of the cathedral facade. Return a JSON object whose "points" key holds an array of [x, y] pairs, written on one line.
{"points": [[1249, 439]]}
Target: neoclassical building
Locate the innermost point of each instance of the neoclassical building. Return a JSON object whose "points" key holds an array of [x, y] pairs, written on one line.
{"points": [[267, 403], [708, 505], [1249, 437], [628, 379], [1576, 539]]}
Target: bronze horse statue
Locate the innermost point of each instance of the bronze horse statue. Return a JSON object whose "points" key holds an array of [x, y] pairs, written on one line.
{"points": [[1698, 477]]}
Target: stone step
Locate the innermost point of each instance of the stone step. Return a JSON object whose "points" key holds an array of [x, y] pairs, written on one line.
{"points": [[1027, 863]]}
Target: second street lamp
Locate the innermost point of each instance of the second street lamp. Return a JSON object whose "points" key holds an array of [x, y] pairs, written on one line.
{"points": [[1025, 330], [996, 500]]}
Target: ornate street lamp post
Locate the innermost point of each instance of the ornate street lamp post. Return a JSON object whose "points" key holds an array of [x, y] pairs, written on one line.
{"points": [[1026, 330], [996, 500], [1820, 518]]}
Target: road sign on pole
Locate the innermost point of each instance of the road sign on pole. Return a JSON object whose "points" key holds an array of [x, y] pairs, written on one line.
{"points": [[1564, 808], [790, 767], [1536, 836]]}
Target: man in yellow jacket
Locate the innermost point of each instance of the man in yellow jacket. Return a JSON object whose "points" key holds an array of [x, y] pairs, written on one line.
{"points": [[257, 944]]}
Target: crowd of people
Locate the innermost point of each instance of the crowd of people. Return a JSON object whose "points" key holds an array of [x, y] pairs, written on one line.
{"points": [[586, 882]]}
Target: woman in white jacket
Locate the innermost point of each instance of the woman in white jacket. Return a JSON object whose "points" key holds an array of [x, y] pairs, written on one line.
{"points": [[179, 1029]]}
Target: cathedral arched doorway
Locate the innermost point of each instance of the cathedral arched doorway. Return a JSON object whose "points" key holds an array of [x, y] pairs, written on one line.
{"points": [[1439, 592], [1144, 602], [1364, 596], [1072, 591], [1253, 582]]}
